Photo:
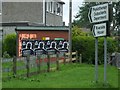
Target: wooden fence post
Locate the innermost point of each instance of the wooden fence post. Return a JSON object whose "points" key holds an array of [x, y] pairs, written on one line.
{"points": [[57, 61], [38, 64], [80, 58], [14, 66], [64, 58], [48, 63], [27, 66], [76, 56]]}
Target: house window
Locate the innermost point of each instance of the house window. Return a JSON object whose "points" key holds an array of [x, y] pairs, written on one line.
{"points": [[53, 7], [46, 6], [50, 7], [59, 9]]}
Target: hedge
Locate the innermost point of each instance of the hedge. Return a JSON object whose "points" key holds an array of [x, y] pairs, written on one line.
{"points": [[86, 46], [9, 44]]}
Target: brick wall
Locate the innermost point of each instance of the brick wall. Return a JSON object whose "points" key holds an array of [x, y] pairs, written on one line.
{"points": [[40, 34], [51, 34]]}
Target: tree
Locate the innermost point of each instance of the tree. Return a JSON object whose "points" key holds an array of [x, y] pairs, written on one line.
{"points": [[81, 19], [82, 15], [116, 22], [116, 18], [9, 44]]}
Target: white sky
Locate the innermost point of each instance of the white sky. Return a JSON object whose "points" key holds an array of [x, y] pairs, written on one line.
{"points": [[75, 9]]}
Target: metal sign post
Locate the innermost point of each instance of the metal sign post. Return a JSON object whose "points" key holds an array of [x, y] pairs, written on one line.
{"points": [[105, 59], [96, 59], [99, 16]]}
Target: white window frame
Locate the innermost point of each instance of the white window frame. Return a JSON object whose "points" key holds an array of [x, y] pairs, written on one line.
{"points": [[47, 6], [57, 6], [61, 10], [50, 6]]}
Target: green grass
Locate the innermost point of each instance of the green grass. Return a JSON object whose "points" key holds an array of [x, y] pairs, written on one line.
{"points": [[69, 76]]}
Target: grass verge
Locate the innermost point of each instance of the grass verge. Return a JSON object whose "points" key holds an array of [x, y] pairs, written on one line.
{"points": [[69, 76]]}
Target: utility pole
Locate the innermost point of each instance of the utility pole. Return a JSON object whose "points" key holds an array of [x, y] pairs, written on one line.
{"points": [[1, 45], [45, 10], [1, 33], [70, 29]]}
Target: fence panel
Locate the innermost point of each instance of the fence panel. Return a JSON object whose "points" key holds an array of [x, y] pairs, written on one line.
{"points": [[34, 64]]}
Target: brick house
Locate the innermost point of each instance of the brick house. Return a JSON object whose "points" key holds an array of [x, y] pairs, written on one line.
{"points": [[34, 21], [41, 13]]}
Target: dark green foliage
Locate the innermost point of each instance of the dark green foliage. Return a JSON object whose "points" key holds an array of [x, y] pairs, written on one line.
{"points": [[81, 19], [0, 48], [82, 15], [116, 6], [118, 38], [9, 44], [86, 46], [111, 47], [6, 55]]}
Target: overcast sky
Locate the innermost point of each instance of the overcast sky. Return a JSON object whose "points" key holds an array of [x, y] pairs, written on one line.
{"points": [[75, 9]]}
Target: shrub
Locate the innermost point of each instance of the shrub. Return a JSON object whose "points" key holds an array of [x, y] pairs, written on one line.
{"points": [[6, 55], [9, 44], [86, 46], [0, 48], [111, 47], [76, 31]]}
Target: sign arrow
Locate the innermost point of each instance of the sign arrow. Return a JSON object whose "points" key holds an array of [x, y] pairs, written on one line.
{"points": [[89, 15]]}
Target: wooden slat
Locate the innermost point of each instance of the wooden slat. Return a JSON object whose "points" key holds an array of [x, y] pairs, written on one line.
{"points": [[53, 69], [54, 55], [7, 60], [67, 54], [67, 60], [61, 61], [6, 69], [73, 53], [73, 59]]}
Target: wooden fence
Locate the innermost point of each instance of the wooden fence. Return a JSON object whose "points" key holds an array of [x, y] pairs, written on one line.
{"points": [[31, 65]]}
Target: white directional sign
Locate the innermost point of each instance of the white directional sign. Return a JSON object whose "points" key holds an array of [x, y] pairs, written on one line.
{"points": [[99, 30], [99, 13]]}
